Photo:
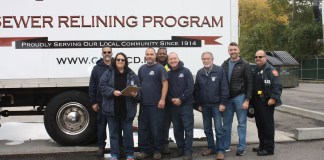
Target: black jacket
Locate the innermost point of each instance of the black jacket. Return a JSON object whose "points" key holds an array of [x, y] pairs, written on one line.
{"points": [[241, 80], [211, 89], [181, 84], [272, 84], [94, 90]]}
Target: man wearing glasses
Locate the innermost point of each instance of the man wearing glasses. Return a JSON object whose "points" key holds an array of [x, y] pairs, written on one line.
{"points": [[95, 95], [211, 94], [266, 95]]}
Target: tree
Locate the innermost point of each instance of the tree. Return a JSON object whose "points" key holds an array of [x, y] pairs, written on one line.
{"points": [[259, 27], [278, 25]]}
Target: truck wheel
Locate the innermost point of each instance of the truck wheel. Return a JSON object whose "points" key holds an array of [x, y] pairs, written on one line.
{"points": [[69, 120]]}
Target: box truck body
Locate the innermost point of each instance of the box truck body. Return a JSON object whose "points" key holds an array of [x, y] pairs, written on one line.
{"points": [[48, 49]]}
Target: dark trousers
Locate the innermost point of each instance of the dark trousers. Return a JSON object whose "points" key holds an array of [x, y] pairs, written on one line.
{"points": [[150, 127], [265, 123], [102, 128], [167, 119], [183, 121], [115, 126]]}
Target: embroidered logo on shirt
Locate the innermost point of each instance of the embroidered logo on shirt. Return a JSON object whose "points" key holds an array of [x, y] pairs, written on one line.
{"points": [[213, 78], [275, 73], [151, 73], [181, 75]]}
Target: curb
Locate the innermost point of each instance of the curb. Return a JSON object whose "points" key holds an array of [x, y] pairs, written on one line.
{"points": [[309, 133], [305, 133], [301, 112]]}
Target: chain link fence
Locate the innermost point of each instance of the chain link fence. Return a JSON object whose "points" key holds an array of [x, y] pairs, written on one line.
{"points": [[312, 69]]}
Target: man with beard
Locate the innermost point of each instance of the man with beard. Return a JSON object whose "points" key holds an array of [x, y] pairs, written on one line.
{"points": [[95, 95], [211, 94], [154, 82], [239, 76]]}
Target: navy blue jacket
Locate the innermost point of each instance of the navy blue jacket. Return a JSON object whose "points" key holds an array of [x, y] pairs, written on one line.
{"points": [[212, 88], [107, 89], [94, 90], [181, 84], [272, 84]]}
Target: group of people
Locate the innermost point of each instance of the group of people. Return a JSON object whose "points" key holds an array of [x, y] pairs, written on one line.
{"points": [[168, 95]]}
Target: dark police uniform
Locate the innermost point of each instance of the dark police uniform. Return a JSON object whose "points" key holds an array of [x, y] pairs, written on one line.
{"points": [[266, 85]]}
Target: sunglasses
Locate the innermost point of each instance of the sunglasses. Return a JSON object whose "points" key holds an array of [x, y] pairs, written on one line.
{"points": [[259, 57], [120, 60], [109, 52]]}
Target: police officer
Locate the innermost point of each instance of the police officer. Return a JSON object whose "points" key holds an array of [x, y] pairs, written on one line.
{"points": [[266, 96]]}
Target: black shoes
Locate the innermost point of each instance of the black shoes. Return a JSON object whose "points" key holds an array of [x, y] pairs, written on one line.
{"points": [[101, 152], [166, 150], [264, 153], [178, 153], [256, 149]]}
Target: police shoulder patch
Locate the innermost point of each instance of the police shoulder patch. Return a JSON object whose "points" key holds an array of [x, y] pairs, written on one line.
{"points": [[275, 73]]}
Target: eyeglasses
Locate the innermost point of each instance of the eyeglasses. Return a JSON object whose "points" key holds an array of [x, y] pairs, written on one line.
{"points": [[258, 57], [108, 52], [120, 60]]}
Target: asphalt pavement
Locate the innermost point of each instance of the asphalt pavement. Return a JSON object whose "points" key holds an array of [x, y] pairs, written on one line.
{"points": [[307, 96]]}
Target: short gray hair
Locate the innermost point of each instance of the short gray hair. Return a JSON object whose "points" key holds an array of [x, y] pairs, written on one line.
{"points": [[207, 52]]}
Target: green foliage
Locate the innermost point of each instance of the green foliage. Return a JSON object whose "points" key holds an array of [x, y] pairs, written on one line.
{"points": [[302, 39], [274, 25]]}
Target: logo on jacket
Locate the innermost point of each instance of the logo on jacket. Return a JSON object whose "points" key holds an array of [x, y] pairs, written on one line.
{"points": [[151, 73], [275, 73], [213, 78], [181, 75], [266, 81]]}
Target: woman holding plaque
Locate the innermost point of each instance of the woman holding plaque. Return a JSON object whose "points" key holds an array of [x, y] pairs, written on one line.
{"points": [[120, 109]]}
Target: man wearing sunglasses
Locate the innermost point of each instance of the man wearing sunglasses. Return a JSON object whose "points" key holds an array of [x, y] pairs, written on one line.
{"points": [[266, 95], [95, 95]]}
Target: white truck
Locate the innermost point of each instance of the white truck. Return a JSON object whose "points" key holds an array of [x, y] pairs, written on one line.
{"points": [[48, 49]]}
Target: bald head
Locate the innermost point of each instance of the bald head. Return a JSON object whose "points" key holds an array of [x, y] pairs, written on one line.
{"points": [[173, 60], [260, 58], [150, 56]]}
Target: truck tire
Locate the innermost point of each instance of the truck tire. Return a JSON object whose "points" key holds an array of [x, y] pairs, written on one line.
{"points": [[69, 120]]}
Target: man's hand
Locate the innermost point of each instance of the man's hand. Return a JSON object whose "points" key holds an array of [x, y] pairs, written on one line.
{"points": [[95, 107], [134, 94], [221, 108], [200, 108], [176, 101], [245, 104], [272, 102], [161, 104]]}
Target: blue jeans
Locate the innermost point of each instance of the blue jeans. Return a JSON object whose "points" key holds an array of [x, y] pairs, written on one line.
{"points": [[102, 128], [150, 129], [210, 112], [115, 125], [235, 105], [183, 121]]}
